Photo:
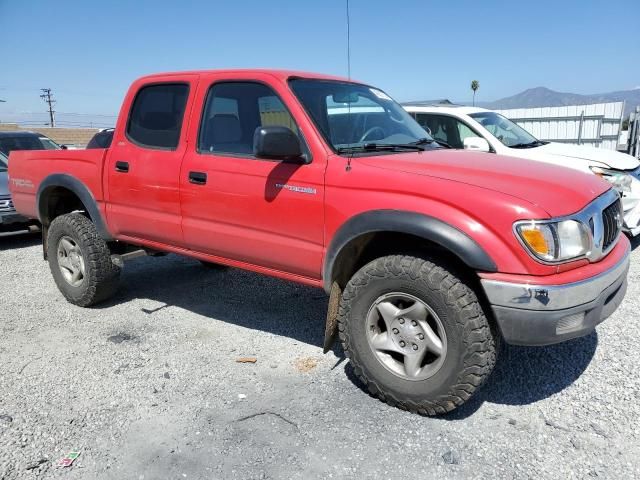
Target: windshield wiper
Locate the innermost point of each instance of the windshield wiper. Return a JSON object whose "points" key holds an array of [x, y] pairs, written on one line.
{"points": [[429, 141], [381, 147], [535, 143]]}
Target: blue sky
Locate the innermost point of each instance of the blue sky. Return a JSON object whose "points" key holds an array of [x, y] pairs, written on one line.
{"points": [[89, 51]]}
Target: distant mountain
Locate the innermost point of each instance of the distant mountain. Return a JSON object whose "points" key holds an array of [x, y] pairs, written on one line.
{"points": [[544, 97]]}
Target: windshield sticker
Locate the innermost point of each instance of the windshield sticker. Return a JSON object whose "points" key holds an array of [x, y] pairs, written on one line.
{"points": [[380, 94]]}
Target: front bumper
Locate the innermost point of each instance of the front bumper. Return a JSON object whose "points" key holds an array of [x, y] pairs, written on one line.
{"points": [[547, 314]]}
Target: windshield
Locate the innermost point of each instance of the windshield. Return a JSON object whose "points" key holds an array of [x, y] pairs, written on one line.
{"points": [[351, 115], [4, 163], [509, 133], [49, 144]]}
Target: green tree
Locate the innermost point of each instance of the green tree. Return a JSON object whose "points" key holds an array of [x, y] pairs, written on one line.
{"points": [[475, 85]]}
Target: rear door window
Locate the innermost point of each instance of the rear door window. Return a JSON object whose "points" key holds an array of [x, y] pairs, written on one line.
{"points": [[155, 120]]}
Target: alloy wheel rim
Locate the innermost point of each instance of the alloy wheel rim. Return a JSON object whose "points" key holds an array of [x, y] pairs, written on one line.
{"points": [[71, 261], [406, 336]]}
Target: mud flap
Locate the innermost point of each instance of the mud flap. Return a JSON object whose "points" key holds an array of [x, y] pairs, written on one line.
{"points": [[45, 234], [331, 327]]}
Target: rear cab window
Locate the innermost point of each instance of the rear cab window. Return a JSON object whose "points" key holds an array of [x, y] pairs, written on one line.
{"points": [[156, 116]]}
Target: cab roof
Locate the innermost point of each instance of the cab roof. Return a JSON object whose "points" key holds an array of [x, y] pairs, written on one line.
{"points": [[281, 74]]}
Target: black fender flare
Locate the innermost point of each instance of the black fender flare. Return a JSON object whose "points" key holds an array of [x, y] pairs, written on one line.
{"points": [[419, 225], [78, 188]]}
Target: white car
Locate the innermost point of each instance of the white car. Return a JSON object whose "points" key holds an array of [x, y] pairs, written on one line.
{"points": [[479, 129]]}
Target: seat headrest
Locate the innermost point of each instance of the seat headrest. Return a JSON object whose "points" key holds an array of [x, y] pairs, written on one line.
{"points": [[224, 128]]}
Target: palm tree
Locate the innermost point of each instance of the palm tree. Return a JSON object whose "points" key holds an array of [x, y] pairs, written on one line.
{"points": [[475, 85]]}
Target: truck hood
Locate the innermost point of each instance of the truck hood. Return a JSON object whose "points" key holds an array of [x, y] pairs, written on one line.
{"points": [[558, 190], [607, 158], [4, 184]]}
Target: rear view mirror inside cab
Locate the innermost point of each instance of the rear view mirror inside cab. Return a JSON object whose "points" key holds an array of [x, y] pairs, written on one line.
{"points": [[345, 97]]}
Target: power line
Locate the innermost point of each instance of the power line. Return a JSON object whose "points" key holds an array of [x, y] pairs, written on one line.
{"points": [[48, 98], [88, 114], [59, 113], [60, 122]]}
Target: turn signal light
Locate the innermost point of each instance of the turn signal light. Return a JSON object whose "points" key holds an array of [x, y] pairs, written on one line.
{"points": [[535, 240]]}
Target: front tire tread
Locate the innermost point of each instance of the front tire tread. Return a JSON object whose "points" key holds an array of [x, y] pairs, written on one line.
{"points": [[481, 343]]}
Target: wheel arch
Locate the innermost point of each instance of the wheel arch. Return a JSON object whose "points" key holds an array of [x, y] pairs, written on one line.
{"points": [[59, 194], [356, 235]]}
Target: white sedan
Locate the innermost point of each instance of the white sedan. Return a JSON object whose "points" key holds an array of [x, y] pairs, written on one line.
{"points": [[479, 129]]}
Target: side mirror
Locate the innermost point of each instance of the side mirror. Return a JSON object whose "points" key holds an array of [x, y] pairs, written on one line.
{"points": [[64, 147], [276, 142], [476, 143]]}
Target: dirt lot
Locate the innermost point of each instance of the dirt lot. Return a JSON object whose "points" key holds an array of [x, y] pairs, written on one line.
{"points": [[147, 386]]}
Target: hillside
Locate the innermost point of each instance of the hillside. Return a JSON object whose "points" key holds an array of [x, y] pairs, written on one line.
{"points": [[545, 97]]}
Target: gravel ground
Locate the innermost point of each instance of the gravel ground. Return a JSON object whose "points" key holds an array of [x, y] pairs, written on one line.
{"points": [[147, 386]]}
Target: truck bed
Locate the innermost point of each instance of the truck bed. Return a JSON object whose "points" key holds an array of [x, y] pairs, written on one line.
{"points": [[28, 168]]}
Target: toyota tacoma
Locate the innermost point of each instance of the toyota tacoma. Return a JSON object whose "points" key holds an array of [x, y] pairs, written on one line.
{"points": [[431, 257]]}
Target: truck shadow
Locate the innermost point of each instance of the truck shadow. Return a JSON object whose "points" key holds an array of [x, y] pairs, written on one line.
{"points": [[230, 295], [522, 376], [525, 375], [13, 240]]}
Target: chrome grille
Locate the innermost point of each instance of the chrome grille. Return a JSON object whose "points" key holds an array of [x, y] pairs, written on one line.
{"points": [[6, 205], [612, 223]]}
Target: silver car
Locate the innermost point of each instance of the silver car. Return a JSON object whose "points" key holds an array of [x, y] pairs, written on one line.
{"points": [[9, 219]]}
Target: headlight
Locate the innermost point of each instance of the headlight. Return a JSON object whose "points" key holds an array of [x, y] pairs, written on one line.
{"points": [[555, 241], [621, 181]]}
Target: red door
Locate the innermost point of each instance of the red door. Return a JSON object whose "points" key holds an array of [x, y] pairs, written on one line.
{"points": [[145, 159], [255, 211]]}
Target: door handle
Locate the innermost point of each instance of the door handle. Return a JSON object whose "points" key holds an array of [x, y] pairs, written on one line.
{"points": [[122, 166], [198, 178]]}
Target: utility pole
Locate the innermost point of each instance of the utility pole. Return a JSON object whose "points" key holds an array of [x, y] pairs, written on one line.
{"points": [[48, 98]]}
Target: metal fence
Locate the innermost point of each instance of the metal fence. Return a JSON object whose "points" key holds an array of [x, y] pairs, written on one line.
{"points": [[633, 144], [596, 125]]}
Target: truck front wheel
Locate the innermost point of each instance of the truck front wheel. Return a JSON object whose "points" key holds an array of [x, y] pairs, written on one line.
{"points": [[416, 334], [80, 260]]}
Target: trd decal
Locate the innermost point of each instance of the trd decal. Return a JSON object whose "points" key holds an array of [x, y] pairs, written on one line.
{"points": [[295, 188], [19, 182]]}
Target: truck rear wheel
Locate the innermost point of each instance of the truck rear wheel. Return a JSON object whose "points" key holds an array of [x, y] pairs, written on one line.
{"points": [[416, 334], [80, 260]]}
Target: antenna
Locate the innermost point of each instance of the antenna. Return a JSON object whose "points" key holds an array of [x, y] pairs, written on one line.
{"points": [[350, 156], [348, 44]]}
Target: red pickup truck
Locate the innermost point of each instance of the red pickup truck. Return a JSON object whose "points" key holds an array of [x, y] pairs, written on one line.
{"points": [[431, 257]]}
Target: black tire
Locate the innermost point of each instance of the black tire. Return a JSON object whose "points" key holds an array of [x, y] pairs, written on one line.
{"points": [[101, 275], [471, 342]]}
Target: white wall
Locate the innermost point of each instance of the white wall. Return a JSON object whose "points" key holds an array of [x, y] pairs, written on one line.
{"points": [[600, 123]]}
